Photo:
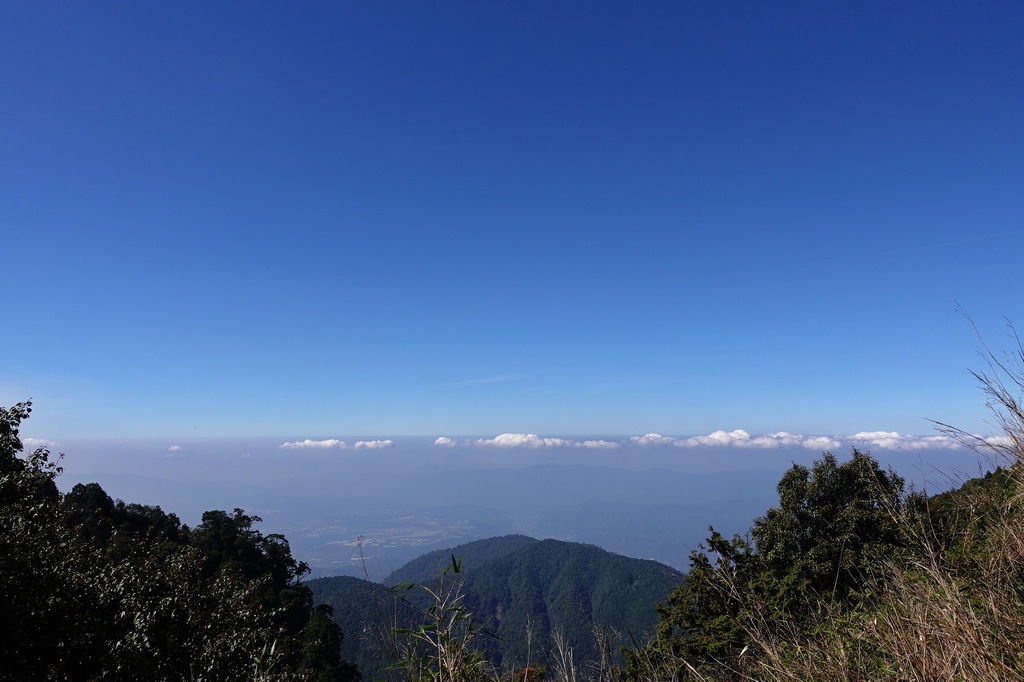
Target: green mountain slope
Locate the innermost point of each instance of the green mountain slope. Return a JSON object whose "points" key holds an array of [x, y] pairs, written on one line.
{"points": [[523, 590], [359, 607], [426, 568], [568, 587]]}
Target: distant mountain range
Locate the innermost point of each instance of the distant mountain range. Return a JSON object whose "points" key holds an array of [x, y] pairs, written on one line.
{"points": [[520, 589]]}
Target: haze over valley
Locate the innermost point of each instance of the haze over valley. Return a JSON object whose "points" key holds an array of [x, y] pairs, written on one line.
{"points": [[648, 497]]}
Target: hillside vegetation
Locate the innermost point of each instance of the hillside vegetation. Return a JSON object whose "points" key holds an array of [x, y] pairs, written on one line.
{"points": [[96, 589], [524, 593]]}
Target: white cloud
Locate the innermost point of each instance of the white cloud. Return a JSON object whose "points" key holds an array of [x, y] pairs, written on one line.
{"points": [[529, 440], [373, 444], [999, 441], [821, 443], [174, 448], [717, 438], [522, 440], [331, 443], [652, 439], [874, 435], [781, 439], [38, 443], [944, 442], [597, 444], [768, 441], [877, 440], [892, 440], [340, 444]]}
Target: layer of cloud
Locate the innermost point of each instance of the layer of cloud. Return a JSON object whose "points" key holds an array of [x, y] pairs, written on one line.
{"points": [[868, 440], [821, 443], [998, 441], [596, 444], [373, 444], [891, 440], [528, 440], [330, 443], [737, 438], [742, 439], [652, 439], [38, 443], [174, 448], [522, 440], [339, 444]]}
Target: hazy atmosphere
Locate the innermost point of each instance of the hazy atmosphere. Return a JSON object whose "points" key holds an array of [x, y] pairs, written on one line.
{"points": [[644, 496], [350, 264]]}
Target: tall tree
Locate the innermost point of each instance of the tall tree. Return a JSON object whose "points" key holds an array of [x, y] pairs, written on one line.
{"points": [[834, 529], [836, 524]]}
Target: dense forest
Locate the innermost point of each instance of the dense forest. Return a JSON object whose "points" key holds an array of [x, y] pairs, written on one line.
{"points": [[96, 589], [850, 577]]}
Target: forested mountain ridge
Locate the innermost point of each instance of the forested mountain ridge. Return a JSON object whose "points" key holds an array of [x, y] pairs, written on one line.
{"points": [[524, 591], [427, 567], [553, 587]]}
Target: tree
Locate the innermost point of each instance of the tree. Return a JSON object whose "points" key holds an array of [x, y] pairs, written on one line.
{"points": [[826, 543], [700, 625], [38, 559], [95, 589], [30, 478], [321, 650], [835, 526]]}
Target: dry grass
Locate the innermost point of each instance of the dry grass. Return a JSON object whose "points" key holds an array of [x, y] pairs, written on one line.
{"points": [[957, 611], [934, 621]]}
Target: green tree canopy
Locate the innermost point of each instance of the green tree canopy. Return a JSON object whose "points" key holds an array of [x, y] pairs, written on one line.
{"points": [[835, 527], [94, 589]]}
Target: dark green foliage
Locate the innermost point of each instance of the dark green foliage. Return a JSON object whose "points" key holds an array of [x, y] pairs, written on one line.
{"points": [[522, 590], [364, 611], [835, 526], [321, 650], [961, 520], [425, 568], [702, 618], [230, 545], [827, 543], [551, 585], [28, 480], [117, 527], [95, 589]]}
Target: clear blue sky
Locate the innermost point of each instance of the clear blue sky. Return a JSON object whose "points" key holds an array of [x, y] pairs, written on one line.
{"points": [[324, 218]]}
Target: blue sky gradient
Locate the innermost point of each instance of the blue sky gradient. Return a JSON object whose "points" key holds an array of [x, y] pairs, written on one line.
{"points": [[324, 218]]}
